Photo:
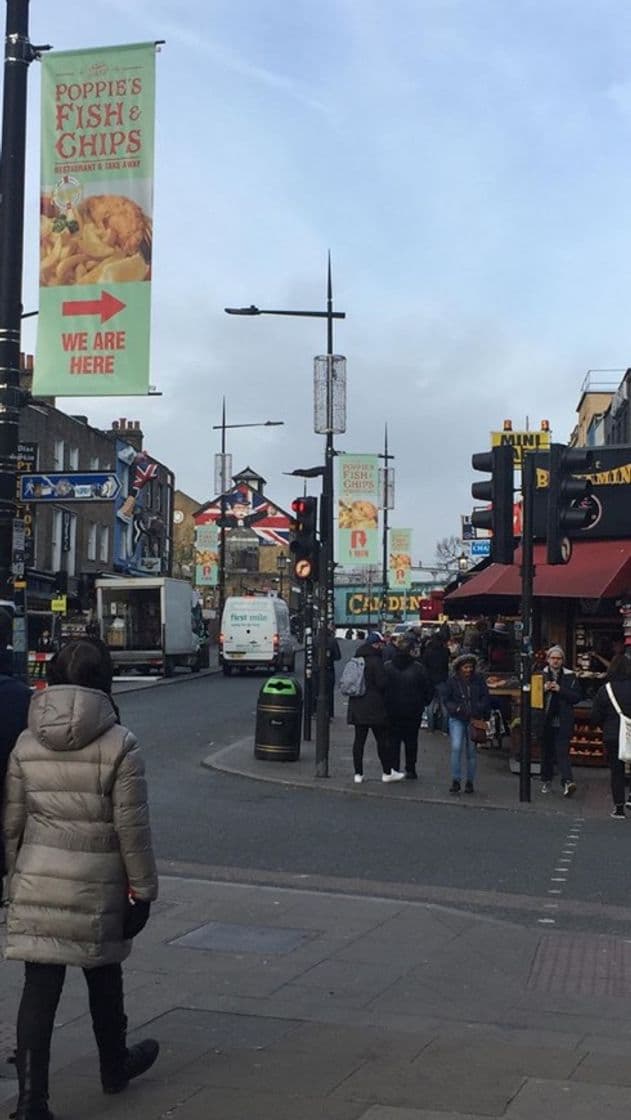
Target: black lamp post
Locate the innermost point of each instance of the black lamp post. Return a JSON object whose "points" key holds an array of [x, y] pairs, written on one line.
{"points": [[327, 608], [224, 482]]}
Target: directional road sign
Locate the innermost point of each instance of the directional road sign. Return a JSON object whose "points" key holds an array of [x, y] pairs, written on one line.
{"points": [[92, 486]]}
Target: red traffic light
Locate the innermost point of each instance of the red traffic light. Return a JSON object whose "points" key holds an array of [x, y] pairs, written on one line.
{"points": [[300, 505]]}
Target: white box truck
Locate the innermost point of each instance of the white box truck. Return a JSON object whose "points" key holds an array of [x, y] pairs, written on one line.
{"points": [[151, 622]]}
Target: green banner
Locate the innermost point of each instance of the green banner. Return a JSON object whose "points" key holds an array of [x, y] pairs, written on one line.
{"points": [[206, 556], [358, 510], [400, 558], [96, 222]]}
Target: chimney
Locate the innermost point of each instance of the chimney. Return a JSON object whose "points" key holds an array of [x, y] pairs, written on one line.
{"points": [[129, 430]]}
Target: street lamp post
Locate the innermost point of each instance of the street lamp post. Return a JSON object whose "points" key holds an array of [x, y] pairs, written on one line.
{"points": [[327, 609], [224, 482], [387, 493]]}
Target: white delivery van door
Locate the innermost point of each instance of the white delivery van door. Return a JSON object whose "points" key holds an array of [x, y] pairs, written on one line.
{"points": [[248, 629]]}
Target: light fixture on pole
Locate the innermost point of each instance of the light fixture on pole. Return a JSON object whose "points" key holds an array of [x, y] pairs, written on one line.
{"points": [[223, 469], [330, 386]]}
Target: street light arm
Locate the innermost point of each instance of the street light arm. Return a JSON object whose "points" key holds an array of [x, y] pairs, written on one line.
{"points": [[252, 310], [260, 424]]}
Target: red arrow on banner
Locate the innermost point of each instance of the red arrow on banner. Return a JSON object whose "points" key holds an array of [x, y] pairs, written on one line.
{"points": [[107, 306]]}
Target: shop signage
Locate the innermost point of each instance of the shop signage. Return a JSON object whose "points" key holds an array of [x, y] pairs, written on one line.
{"points": [[206, 555], [59, 604], [609, 502], [400, 558], [27, 461], [521, 442], [91, 486], [358, 510], [480, 548], [96, 221]]}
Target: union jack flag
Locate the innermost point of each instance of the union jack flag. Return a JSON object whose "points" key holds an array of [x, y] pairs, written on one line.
{"points": [[143, 473], [271, 524]]}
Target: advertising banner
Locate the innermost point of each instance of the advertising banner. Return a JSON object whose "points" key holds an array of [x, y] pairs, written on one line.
{"points": [[358, 510], [207, 556], [521, 442], [400, 558], [27, 461], [96, 222]]}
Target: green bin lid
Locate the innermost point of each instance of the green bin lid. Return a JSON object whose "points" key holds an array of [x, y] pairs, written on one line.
{"points": [[276, 685]]}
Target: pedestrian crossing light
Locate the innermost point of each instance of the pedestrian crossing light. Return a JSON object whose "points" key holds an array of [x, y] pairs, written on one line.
{"points": [[568, 505], [304, 545], [498, 491]]}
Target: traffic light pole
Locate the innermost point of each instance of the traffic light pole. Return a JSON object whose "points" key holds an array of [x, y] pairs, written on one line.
{"points": [[307, 709], [527, 581]]}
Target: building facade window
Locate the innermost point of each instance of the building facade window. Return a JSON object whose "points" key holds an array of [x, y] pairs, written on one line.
{"points": [[94, 463], [92, 541], [73, 458], [104, 544], [58, 454], [56, 539]]}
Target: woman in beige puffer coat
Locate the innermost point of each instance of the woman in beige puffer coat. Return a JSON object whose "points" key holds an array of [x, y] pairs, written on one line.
{"points": [[80, 866]]}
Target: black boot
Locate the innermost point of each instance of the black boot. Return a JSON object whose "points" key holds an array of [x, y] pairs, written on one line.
{"points": [[32, 1067], [115, 1076]]}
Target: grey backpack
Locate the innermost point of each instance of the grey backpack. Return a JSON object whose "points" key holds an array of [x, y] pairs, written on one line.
{"points": [[353, 679]]}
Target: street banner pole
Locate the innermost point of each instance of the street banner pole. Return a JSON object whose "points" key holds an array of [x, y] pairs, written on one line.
{"points": [[527, 580], [18, 54]]}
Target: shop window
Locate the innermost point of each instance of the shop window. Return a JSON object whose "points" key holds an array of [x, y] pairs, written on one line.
{"points": [[94, 463], [55, 544]]}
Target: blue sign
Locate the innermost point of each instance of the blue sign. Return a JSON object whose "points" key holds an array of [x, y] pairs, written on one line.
{"points": [[481, 548], [93, 486]]}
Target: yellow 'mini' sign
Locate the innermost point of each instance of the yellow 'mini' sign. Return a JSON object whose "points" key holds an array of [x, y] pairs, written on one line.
{"points": [[521, 442]]}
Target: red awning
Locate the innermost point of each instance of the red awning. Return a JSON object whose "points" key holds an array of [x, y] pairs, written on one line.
{"points": [[596, 570]]}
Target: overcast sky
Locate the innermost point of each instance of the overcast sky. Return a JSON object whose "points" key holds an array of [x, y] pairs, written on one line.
{"points": [[466, 161]]}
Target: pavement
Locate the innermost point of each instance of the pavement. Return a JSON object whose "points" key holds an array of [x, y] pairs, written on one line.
{"points": [[495, 787], [284, 1002], [136, 682]]}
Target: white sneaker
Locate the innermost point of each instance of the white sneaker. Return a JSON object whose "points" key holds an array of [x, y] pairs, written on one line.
{"points": [[545, 787], [393, 776], [358, 779]]}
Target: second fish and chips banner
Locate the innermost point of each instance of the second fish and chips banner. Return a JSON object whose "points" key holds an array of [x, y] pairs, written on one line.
{"points": [[96, 221]]}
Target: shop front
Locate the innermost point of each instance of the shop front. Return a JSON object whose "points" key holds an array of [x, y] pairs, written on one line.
{"points": [[581, 606]]}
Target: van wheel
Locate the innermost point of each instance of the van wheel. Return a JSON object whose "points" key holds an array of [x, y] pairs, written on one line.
{"points": [[227, 670]]}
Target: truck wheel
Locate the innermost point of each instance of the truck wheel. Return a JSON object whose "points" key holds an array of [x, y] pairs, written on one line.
{"points": [[227, 670], [169, 666], [196, 664]]}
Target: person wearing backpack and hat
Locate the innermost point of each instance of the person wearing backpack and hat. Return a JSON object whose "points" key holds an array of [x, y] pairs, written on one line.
{"points": [[466, 697], [561, 693], [605, 715], [368, 711]]}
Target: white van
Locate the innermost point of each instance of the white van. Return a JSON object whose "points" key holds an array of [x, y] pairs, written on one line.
{"points": [[255, 634]]}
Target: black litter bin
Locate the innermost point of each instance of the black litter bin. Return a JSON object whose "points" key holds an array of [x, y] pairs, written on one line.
{"points": [[279, 720]]}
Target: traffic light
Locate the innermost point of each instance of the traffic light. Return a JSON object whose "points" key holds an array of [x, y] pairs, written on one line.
{"points": [[567, 509], [499, 492], [304, 545]]}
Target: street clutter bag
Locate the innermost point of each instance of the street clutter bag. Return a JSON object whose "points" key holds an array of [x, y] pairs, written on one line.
{"points": [[478, 730], [624, 731], [353, 679]]}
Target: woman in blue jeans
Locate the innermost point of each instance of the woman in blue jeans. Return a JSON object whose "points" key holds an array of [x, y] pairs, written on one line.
{"points": [[466, 697]]}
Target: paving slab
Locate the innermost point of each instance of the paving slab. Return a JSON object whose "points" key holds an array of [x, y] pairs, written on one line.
{"points": [[561, 1100]]}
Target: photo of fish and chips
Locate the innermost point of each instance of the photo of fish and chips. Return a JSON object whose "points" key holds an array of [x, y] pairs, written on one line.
{"points": [[359, 514], [103, 239]]}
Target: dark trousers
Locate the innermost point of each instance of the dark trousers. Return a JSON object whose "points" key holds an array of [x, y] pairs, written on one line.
{"points": [[380, 731], [616, 771], [42, 990], [405, 732], [556, 747]]}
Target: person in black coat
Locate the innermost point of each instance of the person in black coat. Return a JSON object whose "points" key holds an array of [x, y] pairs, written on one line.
{"points": [[466, 698], [368, 712], [605, 715], [561, 694], [408, 691], [15, 697], [435, 660]]}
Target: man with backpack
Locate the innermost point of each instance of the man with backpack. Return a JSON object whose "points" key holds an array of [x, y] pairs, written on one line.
{"points": [[367, 706]]}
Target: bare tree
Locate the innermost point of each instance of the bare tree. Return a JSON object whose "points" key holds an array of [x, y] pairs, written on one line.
{"points": [[448, 550]]}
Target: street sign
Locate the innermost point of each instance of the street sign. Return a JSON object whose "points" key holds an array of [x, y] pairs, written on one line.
{"points": [[92, 486], [480, 548], [59, 605]]}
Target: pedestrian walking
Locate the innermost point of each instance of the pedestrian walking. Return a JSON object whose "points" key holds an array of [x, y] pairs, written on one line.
{"points": [[333, 655], [46, 646], [435, 660], [604, 714], [368, 712], [408, 691], [15, 697], [466, 699], [561, 694], [80, 865]]}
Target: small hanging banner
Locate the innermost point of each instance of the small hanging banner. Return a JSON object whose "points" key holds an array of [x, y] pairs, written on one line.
{"points": [[358, 510], [96, 222], [400, 558]]}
